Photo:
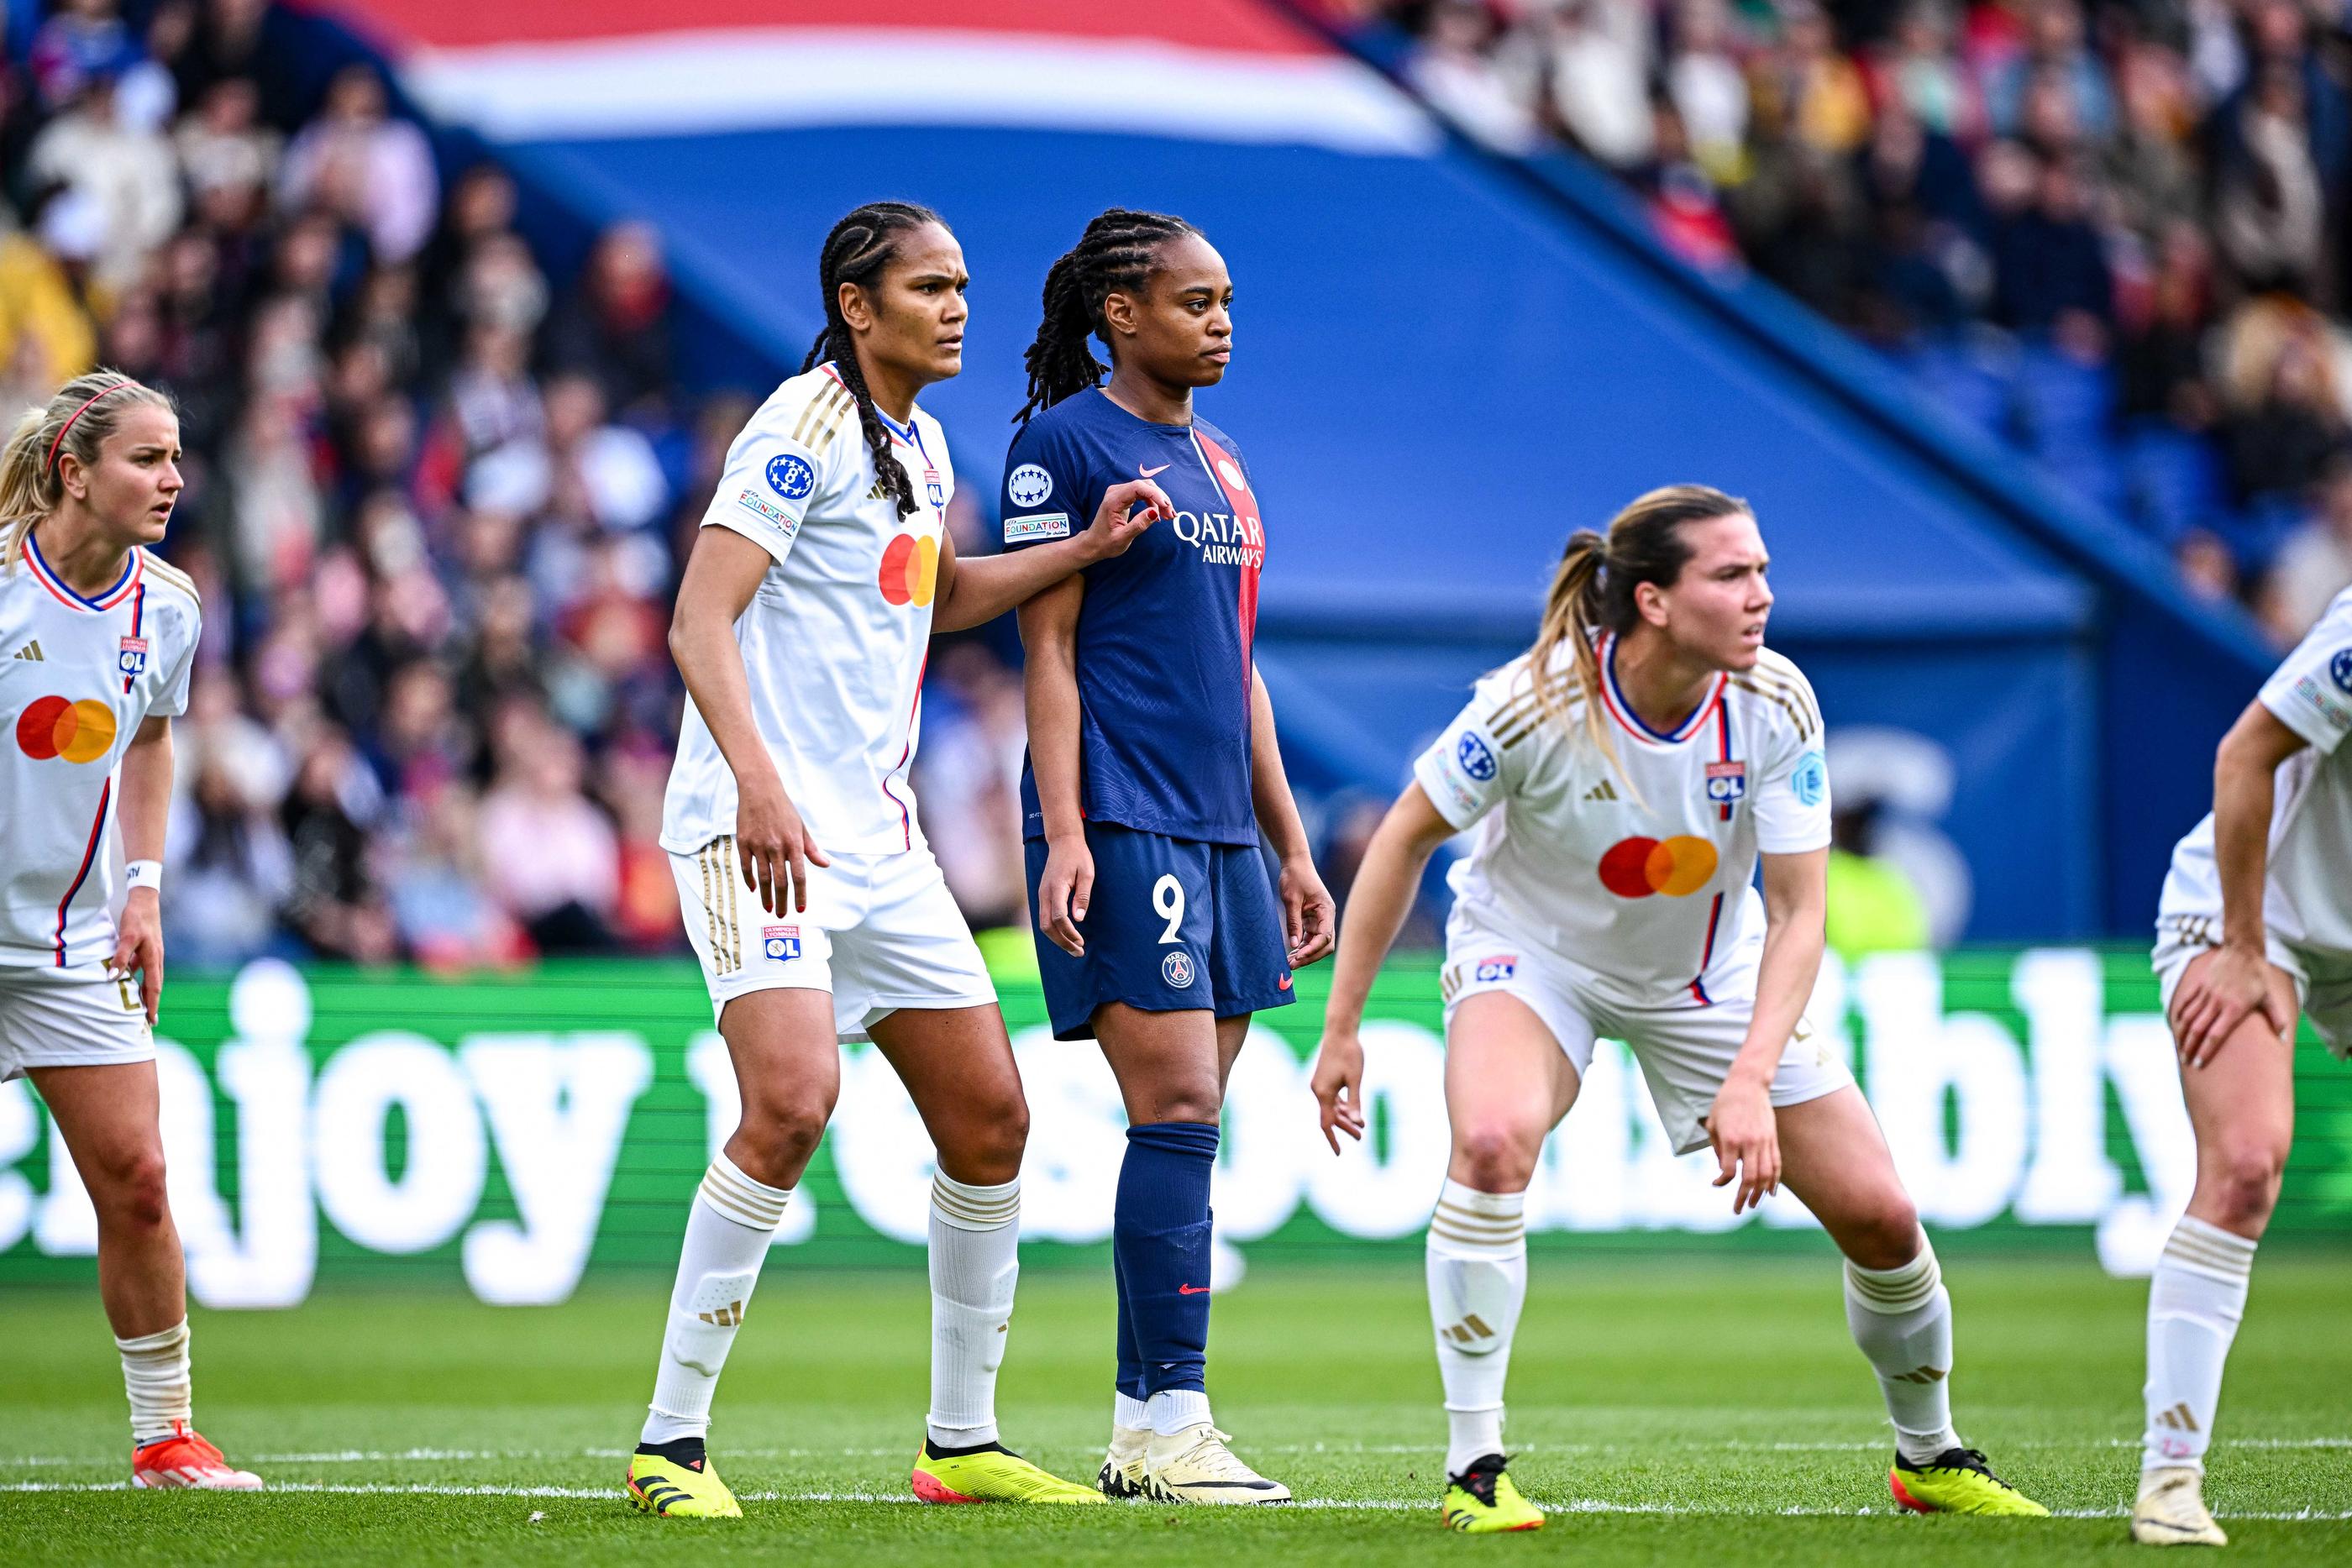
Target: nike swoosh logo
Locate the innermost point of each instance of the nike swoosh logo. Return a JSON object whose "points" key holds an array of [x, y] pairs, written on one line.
{"points": [[1148, 473], [1191, 1290]]}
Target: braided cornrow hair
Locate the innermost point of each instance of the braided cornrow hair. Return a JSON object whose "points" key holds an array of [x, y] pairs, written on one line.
{"points": [[860, 246], [1115, 254]]}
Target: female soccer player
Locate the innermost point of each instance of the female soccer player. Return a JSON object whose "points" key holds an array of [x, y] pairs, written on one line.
{"points": [[1646, 753], [2255, 923], [97, 639], [821, 571], [1152, 768]]}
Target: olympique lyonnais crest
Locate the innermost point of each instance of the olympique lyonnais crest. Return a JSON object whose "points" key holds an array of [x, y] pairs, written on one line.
{"points": [[132, 659], [1726, 781]]}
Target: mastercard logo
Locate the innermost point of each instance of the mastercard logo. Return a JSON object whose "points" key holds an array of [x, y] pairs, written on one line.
{"points": [[1677, 867], [910, 570], [78, 732]]}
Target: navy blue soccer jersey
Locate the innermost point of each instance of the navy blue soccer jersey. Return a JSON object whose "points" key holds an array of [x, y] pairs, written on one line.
{"points": [[1164, 632]]}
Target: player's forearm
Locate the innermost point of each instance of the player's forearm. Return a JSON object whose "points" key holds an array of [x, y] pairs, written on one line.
{"points": [[1378, 902], [1050, 698], [711, 664], [985, 587], [143, 806], [1794, 940], [2243, 791], [1270, 796]]}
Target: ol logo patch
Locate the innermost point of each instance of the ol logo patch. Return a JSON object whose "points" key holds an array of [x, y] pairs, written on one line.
{"points": [[934, 488], [1476, 759], [780, 943], [1176, 968], [791, 476], [1028, 485], [1726, 781], [1500, 966], [2339, 669], [132, 658]]}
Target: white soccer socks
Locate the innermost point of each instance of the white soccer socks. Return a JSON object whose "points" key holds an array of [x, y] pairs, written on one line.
{"points": [[2195, 1300], [1477, 1268], [975, 1261], [727, 1236], [1902, 1319], [155, 1375]]}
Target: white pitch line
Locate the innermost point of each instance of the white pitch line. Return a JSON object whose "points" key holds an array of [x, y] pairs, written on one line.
{"points": [[1737, 1445], [1349, 1505]]}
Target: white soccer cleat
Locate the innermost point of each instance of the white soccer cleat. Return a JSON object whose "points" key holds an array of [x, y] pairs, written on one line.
{"points": [[2172, 1511], [1195, 1466], [1121, 1475], [185, 1460]]}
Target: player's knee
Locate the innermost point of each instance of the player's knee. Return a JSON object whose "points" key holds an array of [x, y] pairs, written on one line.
{"points": [[780, 1127], [131, 1191], [988, 1141], [1886, 1235], [1496, 1153], [1186, 1102], [2242, 1180]]}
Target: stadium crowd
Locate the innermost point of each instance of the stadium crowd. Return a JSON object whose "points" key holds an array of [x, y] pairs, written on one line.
{"points": [[2112, 235], [437, 502]]}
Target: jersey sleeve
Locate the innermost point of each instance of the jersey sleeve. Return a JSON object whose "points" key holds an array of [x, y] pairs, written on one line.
{"points": [[1469, 770], [1043, 492], [172, 697], [1792, 797], [781, 462], [2311, 692]]}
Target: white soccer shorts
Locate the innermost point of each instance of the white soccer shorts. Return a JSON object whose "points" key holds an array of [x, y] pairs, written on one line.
{"points": [[76, 1016], [881, 932], [1686, 1050], [2323, 982]]}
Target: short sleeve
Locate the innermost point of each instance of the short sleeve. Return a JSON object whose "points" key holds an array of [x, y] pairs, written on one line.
{"points": [[2311, 692], [1045, 488], [772, 474], [1465, 771], [1792, 797], [171, 697]]}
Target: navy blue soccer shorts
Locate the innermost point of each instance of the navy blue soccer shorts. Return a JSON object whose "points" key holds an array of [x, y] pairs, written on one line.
{"points": [[1172, 923]]}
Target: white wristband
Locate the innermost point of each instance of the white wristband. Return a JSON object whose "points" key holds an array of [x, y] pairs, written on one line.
{"points": [[143, 874]]}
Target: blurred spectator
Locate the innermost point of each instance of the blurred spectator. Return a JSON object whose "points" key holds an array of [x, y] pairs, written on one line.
{"points": [[355, 162], [548, 855], [336, 905], [1872, 905], [2315, 564], [128, 169], [614, 327]]}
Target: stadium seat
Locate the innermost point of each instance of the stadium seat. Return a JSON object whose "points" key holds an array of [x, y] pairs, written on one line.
{"points": [[2174, 479]]}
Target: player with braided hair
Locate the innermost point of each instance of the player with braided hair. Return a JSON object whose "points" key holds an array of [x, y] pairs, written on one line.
{"points": [[821, 571], [1152, 771]]}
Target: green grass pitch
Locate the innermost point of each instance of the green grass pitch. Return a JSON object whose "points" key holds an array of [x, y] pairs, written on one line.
{"points": [[1669, 1410]]}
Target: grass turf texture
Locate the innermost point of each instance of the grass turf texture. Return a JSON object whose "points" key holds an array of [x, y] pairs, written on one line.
{"points": [[1666, 1410]]}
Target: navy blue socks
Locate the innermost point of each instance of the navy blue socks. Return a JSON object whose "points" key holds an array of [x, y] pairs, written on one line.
{"points": [[1159, 1236]]}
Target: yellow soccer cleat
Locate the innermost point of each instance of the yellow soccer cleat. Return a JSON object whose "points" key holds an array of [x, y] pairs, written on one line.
{"points": [[1957, 1481], [1482, 1500], [2171, 1511], [680, 1484], [991, 1473]]}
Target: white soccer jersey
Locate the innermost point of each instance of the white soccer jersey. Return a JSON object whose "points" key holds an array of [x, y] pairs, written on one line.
{"points": [[834, 640], [78, 677], [2308, 901], [1639, 875]]}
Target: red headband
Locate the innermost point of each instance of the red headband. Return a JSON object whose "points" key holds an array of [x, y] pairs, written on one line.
{"points": [[76, 414]]}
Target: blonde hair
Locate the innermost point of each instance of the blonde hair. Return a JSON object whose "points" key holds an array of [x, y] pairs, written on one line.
{"points": [[77, 418], [1593, 592]]}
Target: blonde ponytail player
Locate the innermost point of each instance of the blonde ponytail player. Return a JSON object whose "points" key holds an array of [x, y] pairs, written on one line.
{"points": [[97, 639], [2255, 925], [1647, 753]]}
